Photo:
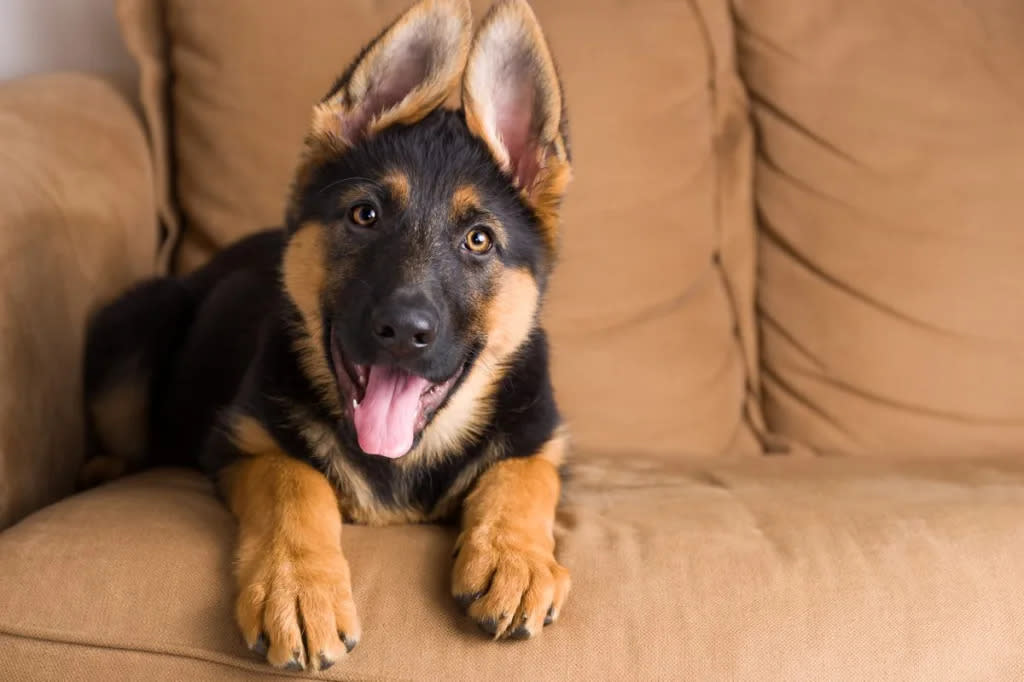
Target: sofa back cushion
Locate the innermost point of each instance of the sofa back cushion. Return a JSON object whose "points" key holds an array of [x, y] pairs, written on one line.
{"points": [[890, 192], [651, 311]]}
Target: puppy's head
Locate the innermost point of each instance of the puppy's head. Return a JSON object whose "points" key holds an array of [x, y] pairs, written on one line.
{"points": [[420, 239]]}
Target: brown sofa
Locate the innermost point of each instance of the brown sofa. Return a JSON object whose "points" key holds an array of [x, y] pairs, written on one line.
{"points": [[788, 335]]}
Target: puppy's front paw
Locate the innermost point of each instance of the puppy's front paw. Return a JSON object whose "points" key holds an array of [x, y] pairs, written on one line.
{"points": [[295, 607], [508, 583]]}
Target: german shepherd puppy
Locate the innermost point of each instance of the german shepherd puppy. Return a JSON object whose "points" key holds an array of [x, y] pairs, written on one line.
{"points": [[378, 360]]}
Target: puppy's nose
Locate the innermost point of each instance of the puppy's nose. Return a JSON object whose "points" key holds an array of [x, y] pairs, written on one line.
{"points": [[404, 329]]}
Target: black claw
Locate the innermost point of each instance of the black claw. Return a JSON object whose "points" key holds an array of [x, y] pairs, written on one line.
{"points": [[550, 617], [260, 646], [325, 662], [464, 600], [349, 642], [490, 626], [521, 632], [296, 662]]}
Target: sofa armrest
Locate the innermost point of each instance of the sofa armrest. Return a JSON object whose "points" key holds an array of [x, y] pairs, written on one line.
{"points": [[77, 224]]}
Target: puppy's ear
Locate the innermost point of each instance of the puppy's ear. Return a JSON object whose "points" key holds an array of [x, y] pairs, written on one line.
{"points": [[403, 75], [513, 102]]}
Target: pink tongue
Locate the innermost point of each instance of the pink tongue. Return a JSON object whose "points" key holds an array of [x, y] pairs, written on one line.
{"points": [[386, 419]]}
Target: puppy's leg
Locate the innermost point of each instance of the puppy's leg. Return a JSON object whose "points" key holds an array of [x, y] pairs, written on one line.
{"points": [[295, 597], [128, 343], [505, 569]]}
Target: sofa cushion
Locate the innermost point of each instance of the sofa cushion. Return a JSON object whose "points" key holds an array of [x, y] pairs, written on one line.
{"points": [[76, 226], [766, 568], [651, 311], [889, 186]]}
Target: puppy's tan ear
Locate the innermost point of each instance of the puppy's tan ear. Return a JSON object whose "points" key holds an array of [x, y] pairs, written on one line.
{"points": [[403, 75], [513, 102]]}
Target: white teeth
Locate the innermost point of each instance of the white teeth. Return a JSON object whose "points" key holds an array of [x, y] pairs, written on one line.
{"points": [[355, 403]]}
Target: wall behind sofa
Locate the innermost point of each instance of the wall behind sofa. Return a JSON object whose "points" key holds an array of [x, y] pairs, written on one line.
{"points": [[47, 35]]}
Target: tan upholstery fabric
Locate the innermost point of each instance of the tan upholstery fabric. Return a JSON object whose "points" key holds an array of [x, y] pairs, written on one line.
{"points": [[147, 43], [890, 187], [652, 339], [76, 227], [770, 569]]}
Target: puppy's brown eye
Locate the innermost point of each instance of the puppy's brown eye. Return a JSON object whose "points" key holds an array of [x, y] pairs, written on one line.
{"points": [[363, 215], [478, 240]]}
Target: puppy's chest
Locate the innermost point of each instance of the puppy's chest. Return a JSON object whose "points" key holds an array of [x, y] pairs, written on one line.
{"points": [[378, 491]]}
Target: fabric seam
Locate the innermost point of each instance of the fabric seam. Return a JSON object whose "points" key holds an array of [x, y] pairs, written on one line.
{"points": [[768, 442]]}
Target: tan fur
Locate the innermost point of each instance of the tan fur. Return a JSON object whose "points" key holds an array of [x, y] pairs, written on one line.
{"points": [[447, 21], [465, 200], [505, 561], [355, 497], [294, 583], [556, 449], [119, 414], [511, 28], [304, 274], [546, 194], [510, 317], [398, 186], [449, 504], [511, 314], [352, 195], [250, 436], [325, 124]]}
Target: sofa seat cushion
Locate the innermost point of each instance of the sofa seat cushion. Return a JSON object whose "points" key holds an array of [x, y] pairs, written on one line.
{"points": [[76, 227], [779, 568]]}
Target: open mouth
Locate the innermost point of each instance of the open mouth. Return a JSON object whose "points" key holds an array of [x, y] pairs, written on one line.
{"points": [[388, 406]]}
